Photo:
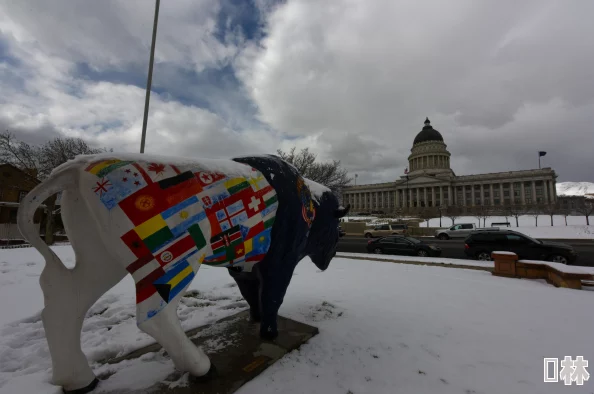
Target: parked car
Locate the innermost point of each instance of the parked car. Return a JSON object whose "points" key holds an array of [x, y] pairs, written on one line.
{"points": [[480, 244], [341, 232], [398, 244], [459, 231], [385, 229]]}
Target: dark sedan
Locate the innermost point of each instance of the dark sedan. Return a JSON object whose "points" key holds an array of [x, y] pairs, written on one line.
{"points": [[396, 244]]}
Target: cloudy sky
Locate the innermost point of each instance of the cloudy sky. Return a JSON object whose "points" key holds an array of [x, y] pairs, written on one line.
{"points": [[352, 80]]}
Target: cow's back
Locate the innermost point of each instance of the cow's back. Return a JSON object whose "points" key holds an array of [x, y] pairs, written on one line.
{"points": [[163, 217]]}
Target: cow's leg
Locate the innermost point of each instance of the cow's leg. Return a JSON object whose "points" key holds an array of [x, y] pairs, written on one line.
{"points": [[275, 279], [68, 295], [166, 328], [249, 287]]}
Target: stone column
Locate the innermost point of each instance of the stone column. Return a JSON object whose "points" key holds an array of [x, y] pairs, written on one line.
{"points": [[501, 199], [482, 195], [451, 197], [545, 191], [433, 196], [492, 198], [472, 195], [410, 202], [425, 197], [552, 191], [522, 193]]}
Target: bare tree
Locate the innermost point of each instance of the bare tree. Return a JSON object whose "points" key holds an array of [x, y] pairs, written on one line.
{"points": [[586, 207], [398, 214], [535, 210], [482, 212], [552, 209], [565, 212], [427, 214], [329, 174], [453, 212], [515, 211], [42, 160]]}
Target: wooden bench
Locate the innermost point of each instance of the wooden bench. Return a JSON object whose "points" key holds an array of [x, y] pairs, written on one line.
{"points": [[559, 275]]}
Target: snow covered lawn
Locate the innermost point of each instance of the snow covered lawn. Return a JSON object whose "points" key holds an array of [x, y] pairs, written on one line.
{"points": [[576, 228], [384, 328]]}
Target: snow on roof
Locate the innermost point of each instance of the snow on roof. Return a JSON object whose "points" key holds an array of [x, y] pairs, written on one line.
{"points": [[574, 188]]}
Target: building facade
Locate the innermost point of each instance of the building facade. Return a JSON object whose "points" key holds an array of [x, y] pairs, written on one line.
{"points": [[432, 183], [14, 185]]}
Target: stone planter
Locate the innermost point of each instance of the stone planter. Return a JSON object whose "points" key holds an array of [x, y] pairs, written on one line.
{"points": [[505, 264]]}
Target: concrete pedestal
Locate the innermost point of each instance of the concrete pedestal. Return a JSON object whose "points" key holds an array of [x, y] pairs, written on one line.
{"points": [[242, 359]]}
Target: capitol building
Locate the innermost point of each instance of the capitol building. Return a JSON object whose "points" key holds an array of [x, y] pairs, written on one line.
{"points": [[431, 182]]}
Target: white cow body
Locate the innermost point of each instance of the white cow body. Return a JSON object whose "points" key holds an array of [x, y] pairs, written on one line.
{"points": [[97, 224]]}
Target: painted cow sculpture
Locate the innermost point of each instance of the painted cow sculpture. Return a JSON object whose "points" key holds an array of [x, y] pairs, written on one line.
{"points": [[159, 219]]}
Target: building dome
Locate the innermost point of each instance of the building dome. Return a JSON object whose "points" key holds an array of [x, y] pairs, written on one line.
{"points": [[428, 134]]}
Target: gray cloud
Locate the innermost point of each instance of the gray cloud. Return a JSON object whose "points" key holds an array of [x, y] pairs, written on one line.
{"points": [[499, 80]]}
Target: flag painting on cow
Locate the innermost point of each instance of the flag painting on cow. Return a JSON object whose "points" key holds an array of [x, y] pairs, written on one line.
{"points": [[181, 217]]}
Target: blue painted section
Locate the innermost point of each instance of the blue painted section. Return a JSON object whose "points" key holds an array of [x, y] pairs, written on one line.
{"points": [[181, 285], [260, 243], [269, 209], [185, 225], [177, 208], [121, 185], [236, 207], [237, 219], [172, 273]]}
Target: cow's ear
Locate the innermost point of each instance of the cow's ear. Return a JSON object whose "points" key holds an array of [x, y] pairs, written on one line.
{"points": [[341, 212]]}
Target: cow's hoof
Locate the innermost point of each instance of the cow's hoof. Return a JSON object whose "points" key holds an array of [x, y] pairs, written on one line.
{"points": [[83, 390], [210, 375]]}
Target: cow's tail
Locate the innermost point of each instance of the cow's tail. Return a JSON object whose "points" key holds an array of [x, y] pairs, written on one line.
{"points": [[58, 181]]}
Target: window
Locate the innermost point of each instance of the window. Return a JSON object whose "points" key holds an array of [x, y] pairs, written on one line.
{"points": [[385, 227], [386, 241], [516, 239], [456, 227], [466, 226]]}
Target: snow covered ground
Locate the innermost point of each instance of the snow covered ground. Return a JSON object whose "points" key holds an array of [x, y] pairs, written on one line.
{"points": [[576, 225], [384, 328]]}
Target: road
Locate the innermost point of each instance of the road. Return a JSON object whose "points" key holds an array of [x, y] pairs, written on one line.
{"points": [[454, 248]]}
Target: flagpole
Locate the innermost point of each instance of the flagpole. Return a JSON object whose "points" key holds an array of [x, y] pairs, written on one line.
{"points": [[150, 77]]}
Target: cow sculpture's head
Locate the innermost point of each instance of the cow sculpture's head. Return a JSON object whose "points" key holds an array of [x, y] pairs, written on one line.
{"points": [[323, 236]]}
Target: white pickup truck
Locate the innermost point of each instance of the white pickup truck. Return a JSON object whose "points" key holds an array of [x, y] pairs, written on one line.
{"points": [[461, 230]]}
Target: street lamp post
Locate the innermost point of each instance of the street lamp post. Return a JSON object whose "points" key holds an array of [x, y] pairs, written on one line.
{"points": [[150, 77]]}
